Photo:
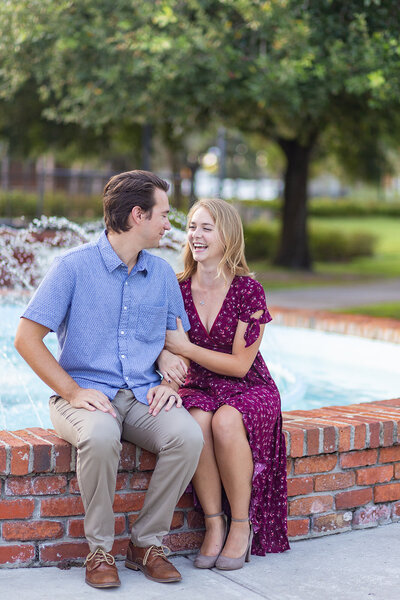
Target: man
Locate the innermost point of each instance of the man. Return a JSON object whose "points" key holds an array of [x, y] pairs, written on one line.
{"points": [[110, 304]]}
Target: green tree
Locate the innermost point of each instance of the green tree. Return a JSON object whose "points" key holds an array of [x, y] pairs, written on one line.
{"points": [[296, 73]]}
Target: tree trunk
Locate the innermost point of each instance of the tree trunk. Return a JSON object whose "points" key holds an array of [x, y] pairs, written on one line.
{"points": [[293, 248]]}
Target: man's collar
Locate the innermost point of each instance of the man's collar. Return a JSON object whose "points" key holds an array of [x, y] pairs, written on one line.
{"points": [[113, 261]]}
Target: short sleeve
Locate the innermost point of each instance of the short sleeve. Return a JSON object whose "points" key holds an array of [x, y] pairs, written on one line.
{"points": [[253, 300], [50, 303], [176, 307]]}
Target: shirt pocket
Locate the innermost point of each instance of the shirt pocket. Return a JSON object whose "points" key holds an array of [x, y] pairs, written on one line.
{"points": [[151, 323]]}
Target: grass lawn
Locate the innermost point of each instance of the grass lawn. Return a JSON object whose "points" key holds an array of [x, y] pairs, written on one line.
{"points": [[385, 263], [390, 310]]}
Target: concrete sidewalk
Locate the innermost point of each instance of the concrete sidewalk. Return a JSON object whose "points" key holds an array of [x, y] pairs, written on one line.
{"points": [[336, 296], [358, 565]]}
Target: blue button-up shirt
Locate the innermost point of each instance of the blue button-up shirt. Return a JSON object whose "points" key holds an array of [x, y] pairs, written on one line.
{"points": [[110, 325]]}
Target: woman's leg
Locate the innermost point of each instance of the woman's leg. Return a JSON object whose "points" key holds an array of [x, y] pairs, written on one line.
{"points": [[207, 484], [235, 463]]}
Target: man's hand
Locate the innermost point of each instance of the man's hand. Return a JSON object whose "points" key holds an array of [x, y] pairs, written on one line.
{"points": [[161, 395], [91, 400]]}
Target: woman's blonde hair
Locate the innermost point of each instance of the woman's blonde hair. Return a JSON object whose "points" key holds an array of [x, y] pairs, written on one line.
{"points": [[230, 229]]}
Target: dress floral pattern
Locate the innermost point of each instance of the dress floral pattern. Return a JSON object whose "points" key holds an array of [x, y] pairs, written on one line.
{"points": [[255, 396]]}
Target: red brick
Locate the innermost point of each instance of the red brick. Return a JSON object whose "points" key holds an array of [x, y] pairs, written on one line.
{"points": [[329, 444], [19, 486], [287, 439], [358, 458], [62, 450], [296, 440], [334, 481], [56, 553], [330, 523], [371, 515], [34, 530], [315, 464], [344, 438], [353, 498], [16, 509], [312, 434], [128, 456], [388, 431], [147, 461], [289, 466], [298, 527], [22, 553], [389, 454], [66, 506], [360, 429], [177, 520], [140, 481], [374, 475], [47, 485], [396, 510], [186, 501], [76, 527], [129, 501], [74, 486], [387, 493], [41, 450], [195, 520], [310, 505], [298, 486], [188, 540], [120, 547], [20, 452], [3, 460], [397, 471]]}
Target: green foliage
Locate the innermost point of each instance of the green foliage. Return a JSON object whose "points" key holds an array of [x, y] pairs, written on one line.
{"points": [[327, 245], [17, 203], [330, 207], [388, 310]]}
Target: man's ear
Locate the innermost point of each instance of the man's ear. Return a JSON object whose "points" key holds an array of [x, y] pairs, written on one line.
{"points": [[137, 215]]}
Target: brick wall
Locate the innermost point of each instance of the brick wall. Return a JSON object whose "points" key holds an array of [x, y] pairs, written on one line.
{"points": [[41, 512], [343, 473], [343, 466]]}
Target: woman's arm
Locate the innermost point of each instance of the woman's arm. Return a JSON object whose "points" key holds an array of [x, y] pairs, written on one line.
{"points": [[236, 364], [173, 368]]}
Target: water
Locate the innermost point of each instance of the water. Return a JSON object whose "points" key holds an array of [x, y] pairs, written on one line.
{"points": [[311, 369]]}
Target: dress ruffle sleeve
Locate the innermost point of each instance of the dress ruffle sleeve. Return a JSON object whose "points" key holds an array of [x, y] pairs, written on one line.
{"points": [[253, 300]]}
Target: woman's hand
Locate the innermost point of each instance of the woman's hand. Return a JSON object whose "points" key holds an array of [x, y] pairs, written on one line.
{"points": [[177, 341], [172, 367]]}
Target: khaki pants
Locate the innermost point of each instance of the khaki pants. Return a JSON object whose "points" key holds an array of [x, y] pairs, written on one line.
{"points": [[174, 436]]}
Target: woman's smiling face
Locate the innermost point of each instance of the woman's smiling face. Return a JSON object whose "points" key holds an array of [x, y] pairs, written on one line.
{"points": [[204, 238]]}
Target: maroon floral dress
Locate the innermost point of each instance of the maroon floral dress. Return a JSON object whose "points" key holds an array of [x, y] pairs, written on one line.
{"points": [[255, 396]]}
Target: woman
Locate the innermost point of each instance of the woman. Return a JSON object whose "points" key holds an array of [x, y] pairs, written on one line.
{"points": [[230, 393]]}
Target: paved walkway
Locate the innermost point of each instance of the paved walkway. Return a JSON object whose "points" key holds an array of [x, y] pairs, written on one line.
{"points": [[358, 565], [335, 296]]}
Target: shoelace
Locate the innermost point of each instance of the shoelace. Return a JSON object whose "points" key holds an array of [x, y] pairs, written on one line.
{"points": [[100, 556], [162, 551]]}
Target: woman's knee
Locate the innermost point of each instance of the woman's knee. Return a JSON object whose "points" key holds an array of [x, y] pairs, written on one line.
{"points": [[227, 424]]}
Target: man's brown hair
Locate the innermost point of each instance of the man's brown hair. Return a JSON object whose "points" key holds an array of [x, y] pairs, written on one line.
{"points": [[126, 190]]}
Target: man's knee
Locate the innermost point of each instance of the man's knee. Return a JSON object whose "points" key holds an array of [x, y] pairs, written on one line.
{"points": [[102, 443], [188, 437]]}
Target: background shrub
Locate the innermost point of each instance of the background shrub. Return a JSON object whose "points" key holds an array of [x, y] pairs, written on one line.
{"points": [[326, 245]]}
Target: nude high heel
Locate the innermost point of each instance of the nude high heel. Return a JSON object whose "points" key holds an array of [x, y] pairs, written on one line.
{"points": [[225, 563], [208, 562]]}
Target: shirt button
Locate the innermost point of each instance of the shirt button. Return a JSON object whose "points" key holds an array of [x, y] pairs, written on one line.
{"points": [[122, 355], [125, 308], [122, 332], [126, 283], [126, 378]]}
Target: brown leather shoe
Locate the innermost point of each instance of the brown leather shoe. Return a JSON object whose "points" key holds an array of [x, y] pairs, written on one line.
{"points": [[101, 571], [153, 562]]}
